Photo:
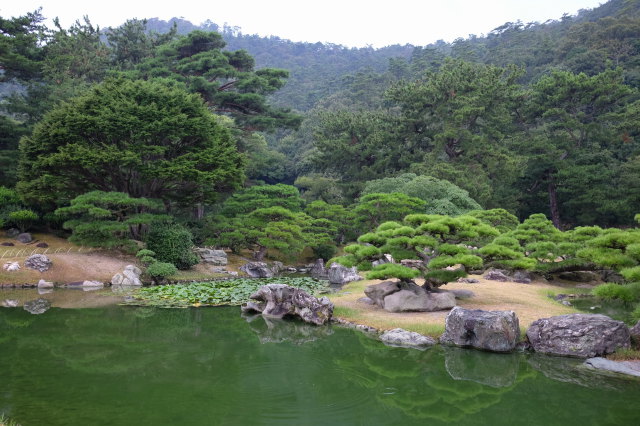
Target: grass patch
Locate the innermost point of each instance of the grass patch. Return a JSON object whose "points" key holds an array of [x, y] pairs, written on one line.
{"points": [[625, 355]]}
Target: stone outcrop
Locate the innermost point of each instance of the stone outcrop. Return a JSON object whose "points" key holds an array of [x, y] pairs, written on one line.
{"points": [[339, 274], [37, 307], [215, 257], [280, 300], [407, 297], [496, 331], [318, 270], [495, 275], [24, 238], [257, 270], [129, 277], [522, 277], [635, 332], [578, 335], [39, 262], [404, 338]]}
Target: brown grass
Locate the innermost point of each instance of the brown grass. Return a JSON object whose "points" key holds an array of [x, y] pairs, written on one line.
{"points": [[529, 301]]}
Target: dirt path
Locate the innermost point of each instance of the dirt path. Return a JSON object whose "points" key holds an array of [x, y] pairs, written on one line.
{"points": [[529, 301]]}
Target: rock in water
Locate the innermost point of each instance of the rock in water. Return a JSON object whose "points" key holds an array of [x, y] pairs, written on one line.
{"points": [[578, 335], [215, 257], [404, 338], [37, 307], [339, 274], [45, 284], [630, 368], [39, 262], [496, 331], [280, 300], [257, 270], [318, 270]]}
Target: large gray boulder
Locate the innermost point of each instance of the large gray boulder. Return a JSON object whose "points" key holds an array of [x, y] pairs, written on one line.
{"points": [[39, 262], [377, 292], [257, 270], [280, 300], [408, 297], [418, 300], [318, 270], [128, 278], [12, 233], [495, 331], [37, 307], [339, 274], [215, 257], [578, 335], [409, 339]]}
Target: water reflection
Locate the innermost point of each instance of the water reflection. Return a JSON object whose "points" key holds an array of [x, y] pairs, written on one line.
{"points": [[495, 370], [272, 330], [147, 366]]}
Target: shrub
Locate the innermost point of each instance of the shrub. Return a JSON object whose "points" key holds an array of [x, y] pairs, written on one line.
{"points": [[159, 271], [23, 219], [145, 252], [172, 244], [631, 274], [611, 291]]}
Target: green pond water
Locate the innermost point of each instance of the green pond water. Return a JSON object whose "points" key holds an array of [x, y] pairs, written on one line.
{"points": [[116, 365]]}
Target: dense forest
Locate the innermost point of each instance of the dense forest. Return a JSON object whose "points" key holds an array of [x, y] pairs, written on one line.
{"points": [[253, 142]]}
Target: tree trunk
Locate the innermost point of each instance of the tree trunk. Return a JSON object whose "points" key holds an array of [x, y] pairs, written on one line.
{"points": [[553, 201], [199, 211], [260, 254]]}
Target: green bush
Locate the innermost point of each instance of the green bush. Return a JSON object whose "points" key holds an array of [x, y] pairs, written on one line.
{"points": [[23, 219], [159, 271], [631, 274], [145, 252], [172, 244], [611, 291]]}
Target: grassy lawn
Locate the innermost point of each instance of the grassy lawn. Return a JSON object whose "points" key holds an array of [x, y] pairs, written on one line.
{"points": [[529, 301]]}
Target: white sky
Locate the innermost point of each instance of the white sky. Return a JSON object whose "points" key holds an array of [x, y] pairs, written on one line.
{"points": [[353, 23]]}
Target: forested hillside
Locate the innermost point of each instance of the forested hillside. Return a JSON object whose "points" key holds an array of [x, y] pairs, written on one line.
{"points": [[531, 118]]}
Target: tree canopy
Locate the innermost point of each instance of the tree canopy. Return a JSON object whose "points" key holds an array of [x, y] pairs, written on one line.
{"points": [[144, 138]]}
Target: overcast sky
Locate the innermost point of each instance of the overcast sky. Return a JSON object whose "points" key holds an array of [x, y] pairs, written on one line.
{"points": [[353, 23]]}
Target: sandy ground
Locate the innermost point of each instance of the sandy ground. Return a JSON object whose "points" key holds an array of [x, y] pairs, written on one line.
{"points": [[529, 301]]}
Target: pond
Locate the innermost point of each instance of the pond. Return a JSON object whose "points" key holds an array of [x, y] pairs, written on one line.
{"points": [[116, 365]]}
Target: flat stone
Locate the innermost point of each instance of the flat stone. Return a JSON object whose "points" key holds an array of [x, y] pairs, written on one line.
{"points": [[92, 284], [404, 338], [495, 275], [631, 368]]}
